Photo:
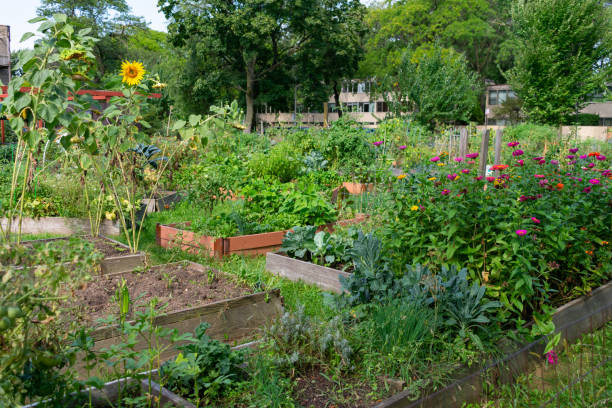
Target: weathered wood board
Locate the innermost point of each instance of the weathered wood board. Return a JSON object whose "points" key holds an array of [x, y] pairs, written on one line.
{"points": [[298, 270]]}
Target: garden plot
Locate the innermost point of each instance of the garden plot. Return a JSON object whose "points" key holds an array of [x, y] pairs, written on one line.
{"points": [[117, 256]]}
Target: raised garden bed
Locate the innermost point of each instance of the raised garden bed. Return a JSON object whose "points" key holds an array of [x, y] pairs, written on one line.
{"points": [[162, 200], [108, 396], [60, 226], [194, 295], [574, 319], [117, 255], [173, 236], [298, 270], [358, 188]]}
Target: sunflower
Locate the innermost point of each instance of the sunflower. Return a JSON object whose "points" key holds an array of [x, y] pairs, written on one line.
{"points": [[132, 72]]}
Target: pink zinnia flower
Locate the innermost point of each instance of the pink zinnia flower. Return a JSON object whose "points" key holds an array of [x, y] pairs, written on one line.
{"points": [[591, 165], [512, 144], [594, 181], [471, 155], [542, 161], [534, 219], [478, 178], [584, 156], [402, 147], [552, 358], [601, 157], [572, 162], [543, 182], [520, 163], [471, 162], [490, 179], [452, 177], [573, 150], [555, 162], [537, 158], [587, 189], [539, 176], [445, 192], [465, 171], [520, 233], [458, 159], [435, 159], [570, 156], [518, 152]]}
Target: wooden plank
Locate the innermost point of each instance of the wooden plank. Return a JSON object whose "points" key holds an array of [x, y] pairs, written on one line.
{"points": [[498, 145], [484, 153], [60, 226], [463, 142], [267, 239], [298, 270]]}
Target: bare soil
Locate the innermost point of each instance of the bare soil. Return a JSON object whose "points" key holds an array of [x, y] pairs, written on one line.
{"points": [[177, 285]]}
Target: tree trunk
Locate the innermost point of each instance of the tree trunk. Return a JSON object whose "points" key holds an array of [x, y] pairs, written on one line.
{"points": [[337, 99], [250, 96]]}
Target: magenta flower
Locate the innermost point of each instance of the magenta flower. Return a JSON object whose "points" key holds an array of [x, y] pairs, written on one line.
{"points": [[601, 157], [554, 162], [543, 182], [445, 192], [584, 156], [570, 156], [587, 189], [402, 147], [539, 176], [518, 152], [572, 162], [378, 143], [471, 155], [520, 163], [591, 165], [573, 150], [542, 161], [465, 171], [435, 159], [478, 178], [490, 179], [606, 172], [520, 233], [458, 159], [452, 177], [552, 358], [512, 144], [534, 219], [537, 159], [594, 181], [470, 162]]}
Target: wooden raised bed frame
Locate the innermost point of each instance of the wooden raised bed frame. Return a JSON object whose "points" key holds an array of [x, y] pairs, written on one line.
{"points": [[171, 236], [574, 319], [111, 264], [230, 320], [358, 188], [298, 270]]}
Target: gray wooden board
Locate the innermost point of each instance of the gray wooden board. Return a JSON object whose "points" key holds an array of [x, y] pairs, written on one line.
{"points": [[59, 225], [570, 318], [297, 270]]}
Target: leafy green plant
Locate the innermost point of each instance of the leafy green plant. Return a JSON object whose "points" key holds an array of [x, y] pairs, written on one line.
{"points": [[282, 163], [321, 248], [205, 368], [150, 153], [313, 161]]}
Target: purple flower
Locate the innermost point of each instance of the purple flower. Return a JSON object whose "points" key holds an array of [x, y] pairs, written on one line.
{"points": [[435, 159], [445, 192], [591, 165], [587, 189], [465, 171], [471, 155], [402, 147], [594, 181], [572, 162], [458, 159], [478, 178], [518, 152], [543, 182], [452, 177], [537, 158], [520, 163], [583, 157], [534, 219], [378, 143], [552, 358], [505, 176], [490, 179], [601, 157], [512, 144], [554, 162], [573, 150], [542, 161], [570, 156], [520, 233]]}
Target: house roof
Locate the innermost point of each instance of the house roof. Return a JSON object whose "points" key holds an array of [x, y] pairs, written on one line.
{"points": [[603, 109]]}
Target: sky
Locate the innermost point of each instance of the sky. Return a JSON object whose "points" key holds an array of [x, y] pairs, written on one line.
{"points": [[16, 14]]}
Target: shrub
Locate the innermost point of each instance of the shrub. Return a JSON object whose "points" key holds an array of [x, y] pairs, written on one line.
{"points": [[282, 162], [346, 146]]}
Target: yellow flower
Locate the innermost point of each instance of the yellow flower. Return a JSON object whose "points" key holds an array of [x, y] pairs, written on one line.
{"points": [[132, 72], [110, 215], [440, 164], [414, 208], [401, 176], [431, 179]]}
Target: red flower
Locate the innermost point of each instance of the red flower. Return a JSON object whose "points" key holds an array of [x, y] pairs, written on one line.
{"points": [[499, 167]]}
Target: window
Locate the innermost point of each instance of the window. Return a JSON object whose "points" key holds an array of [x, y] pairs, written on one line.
{"points": [[331, 107], [492, 97], [382, 107]]}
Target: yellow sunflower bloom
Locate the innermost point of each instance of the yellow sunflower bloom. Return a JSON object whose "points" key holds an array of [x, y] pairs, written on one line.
{"points": [[132, 72], [401, 176], [414, 208]]}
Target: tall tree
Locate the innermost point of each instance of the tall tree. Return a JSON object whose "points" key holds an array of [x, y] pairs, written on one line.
{"points": [[249, 44], [436, 87], [472, 27], [564, 53]]}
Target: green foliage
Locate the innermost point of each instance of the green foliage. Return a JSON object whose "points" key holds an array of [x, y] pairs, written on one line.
{"points": [[282, 163], [562, 55], [204, 370], [321, 248], [346, 147], [313, 162], [438, 85]]}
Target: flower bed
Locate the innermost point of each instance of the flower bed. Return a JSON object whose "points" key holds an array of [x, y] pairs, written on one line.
{"points": [[172, 236]]}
